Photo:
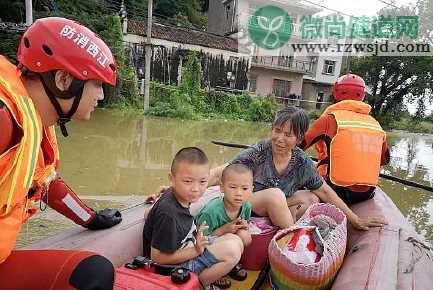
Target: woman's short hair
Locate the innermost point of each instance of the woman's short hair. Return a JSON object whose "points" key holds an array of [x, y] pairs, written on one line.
{"points": [[296, 118]]}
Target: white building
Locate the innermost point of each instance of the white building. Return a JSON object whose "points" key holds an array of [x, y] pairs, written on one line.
{"points": [[285, 73]]}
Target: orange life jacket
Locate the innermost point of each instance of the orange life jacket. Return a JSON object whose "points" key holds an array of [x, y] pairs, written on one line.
{"points": [[28, 164], [356, 150]]}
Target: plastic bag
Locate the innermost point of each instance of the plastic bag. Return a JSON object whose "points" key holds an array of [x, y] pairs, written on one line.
{"points": [[301, 247]]}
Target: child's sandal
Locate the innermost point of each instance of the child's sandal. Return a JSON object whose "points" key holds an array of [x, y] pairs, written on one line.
{"points": [[223, 283], [238, 274]]}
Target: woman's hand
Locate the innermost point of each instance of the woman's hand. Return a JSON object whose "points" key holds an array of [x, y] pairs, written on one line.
{"points": [[151, 199], [215, 175], [367, 223], [327, 194]]}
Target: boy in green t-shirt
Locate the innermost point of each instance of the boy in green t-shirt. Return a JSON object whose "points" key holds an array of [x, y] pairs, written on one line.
{"points": [[230, 214]]}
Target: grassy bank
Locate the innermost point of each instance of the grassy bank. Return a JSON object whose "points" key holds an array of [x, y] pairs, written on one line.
{"points": [[407, 124]]}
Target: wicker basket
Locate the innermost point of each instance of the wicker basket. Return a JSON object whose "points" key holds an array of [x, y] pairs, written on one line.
{"points": [[286, 274]]}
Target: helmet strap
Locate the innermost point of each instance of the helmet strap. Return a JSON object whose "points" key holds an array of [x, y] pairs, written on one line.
{"points": [[75, 91]]}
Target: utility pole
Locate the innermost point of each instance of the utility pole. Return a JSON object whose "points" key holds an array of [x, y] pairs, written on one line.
{"points": [[123, 17], [148, 57], [29, 12]]}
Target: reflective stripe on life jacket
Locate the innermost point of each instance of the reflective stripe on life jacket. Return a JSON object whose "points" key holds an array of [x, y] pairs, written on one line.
{"points": [[24, 165], [355, 151], [18, 164]]}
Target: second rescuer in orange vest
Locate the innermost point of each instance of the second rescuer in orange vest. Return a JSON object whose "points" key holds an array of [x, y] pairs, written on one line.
{"points": [[351, 144]]}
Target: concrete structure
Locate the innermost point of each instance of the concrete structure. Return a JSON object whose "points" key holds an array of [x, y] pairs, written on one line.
{"points": [[222, 64], [288, 75], [317, 86]]}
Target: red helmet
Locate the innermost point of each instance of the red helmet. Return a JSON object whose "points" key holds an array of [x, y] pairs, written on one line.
{"points": [[55, 43], [349, 87]]}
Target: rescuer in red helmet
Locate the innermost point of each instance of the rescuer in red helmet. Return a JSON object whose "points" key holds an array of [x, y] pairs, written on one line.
{"points": [[62, 66], [350, 144]]}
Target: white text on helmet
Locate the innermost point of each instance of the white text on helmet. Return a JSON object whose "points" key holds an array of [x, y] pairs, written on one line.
{"points": [[82, 41]]}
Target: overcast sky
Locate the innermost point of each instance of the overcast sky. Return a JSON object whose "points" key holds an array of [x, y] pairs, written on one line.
{"points": [[369, 8], [359, 7]]}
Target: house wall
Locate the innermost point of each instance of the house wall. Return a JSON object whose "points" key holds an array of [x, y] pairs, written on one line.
{"points": [[319, 76], [226, 16], [166, 57], [265, 80], [307, 85], [217, 22], [310, 92]]}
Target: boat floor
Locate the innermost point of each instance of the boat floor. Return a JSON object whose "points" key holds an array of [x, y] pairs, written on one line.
{"points": [[392, 257]]}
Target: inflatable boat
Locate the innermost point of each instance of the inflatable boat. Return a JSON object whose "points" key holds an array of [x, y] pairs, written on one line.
{"points": [[392, 257]]}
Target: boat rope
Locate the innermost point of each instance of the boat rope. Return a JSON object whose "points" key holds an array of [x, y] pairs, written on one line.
{"points": [[419, 250]]}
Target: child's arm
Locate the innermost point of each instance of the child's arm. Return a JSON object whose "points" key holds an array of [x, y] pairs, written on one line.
{"points": [[245, 236], [181, 255], [244, 233], [177, 257]]}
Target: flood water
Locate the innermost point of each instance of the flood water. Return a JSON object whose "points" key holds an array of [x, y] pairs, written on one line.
{"points": [[117, 158]]}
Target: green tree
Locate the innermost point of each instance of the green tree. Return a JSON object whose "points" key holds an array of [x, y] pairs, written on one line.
{"points": [[424, 9], [193, 9], [98, 15], [126, 91], [167, 8], [12, 11], [192, 75], [91, 13], [391, 79], [9, 44], [185, 13], [395, 79]]}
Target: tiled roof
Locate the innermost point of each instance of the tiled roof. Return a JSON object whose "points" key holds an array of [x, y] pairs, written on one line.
{"points": [[184, 35]]}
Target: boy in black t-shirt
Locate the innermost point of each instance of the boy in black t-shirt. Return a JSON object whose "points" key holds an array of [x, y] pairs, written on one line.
{"points": [[170, 235]]}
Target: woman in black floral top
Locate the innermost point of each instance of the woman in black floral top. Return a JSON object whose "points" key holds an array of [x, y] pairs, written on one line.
{"points": [[285, 178]]}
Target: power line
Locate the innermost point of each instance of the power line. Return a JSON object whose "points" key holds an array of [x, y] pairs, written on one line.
{"points": [[389, 4], [342, 13], [327, 8]]}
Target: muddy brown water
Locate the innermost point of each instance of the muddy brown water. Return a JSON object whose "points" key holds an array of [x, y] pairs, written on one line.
{"points": [[117, 158]]}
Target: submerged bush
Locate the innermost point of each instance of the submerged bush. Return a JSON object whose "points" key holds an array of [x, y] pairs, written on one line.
{"points": [[170, 101], [263, 108]]}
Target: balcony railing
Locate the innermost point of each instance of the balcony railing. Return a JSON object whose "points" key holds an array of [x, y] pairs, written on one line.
{"points": [[283, 63]]}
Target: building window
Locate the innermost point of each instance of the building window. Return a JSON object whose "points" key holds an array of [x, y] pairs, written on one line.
{"points": [[329, 67], [281, 88], [253, 84], [319, 99]]}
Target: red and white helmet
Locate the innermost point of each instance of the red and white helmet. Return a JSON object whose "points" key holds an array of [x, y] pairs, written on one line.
{"points": [[56, 43], [349, 87]]}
